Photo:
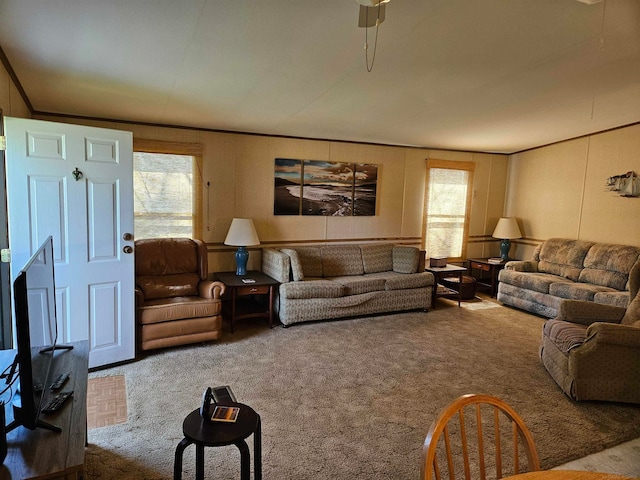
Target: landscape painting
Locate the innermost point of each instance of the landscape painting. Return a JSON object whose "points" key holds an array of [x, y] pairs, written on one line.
{"points": [[364, 194], [288, 187], [327, 188], [317, 187]]}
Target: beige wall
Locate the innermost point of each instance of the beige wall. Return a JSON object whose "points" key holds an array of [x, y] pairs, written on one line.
{"points": [[559, 190], [240, 171]]}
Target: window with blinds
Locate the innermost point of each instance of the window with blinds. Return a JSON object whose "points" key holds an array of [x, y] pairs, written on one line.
{"points": [[447, 208], [167, 198]]}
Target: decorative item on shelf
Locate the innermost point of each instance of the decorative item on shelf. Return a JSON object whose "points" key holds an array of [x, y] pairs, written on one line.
{"points": [[626, 184], [242, 234], [506, 229]]}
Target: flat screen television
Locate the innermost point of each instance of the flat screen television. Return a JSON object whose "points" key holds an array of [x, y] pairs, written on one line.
{"points": [[36, 336]]}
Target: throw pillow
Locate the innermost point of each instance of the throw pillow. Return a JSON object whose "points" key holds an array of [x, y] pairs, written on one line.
{"points": [[405, 259], [296, 265]]}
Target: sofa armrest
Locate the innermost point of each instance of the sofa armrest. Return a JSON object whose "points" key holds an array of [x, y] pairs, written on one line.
{"points": [[522, 265], [211, 289], [586, 313], [276, 264], [614, 334]]}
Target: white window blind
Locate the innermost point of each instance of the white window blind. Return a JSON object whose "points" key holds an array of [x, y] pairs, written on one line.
{"points": [[163, 195], [447, 204]]}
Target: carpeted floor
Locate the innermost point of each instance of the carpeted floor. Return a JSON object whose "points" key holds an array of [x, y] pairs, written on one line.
{"points": [[350, 399]]}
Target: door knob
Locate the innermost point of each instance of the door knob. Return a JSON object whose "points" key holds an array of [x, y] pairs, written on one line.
{"points": [[128, 249]]}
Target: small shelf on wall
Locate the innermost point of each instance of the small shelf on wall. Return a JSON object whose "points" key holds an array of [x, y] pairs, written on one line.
{"points": [[625, 185]]}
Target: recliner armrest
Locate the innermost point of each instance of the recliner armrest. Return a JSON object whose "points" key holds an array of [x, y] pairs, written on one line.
{"points": [[586, 313], [211, 289], [139, 297], [614, 334]]}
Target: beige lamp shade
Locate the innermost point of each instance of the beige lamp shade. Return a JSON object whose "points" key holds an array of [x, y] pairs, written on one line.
{"points": [[242, 233], [507, 227]]}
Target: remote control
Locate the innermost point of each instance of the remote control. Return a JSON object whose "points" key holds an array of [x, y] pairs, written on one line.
{"points": [[59, 381], [56, 402]]}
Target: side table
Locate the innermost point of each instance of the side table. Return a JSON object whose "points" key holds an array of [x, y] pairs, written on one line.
{"points": [[205, 433], [487, 275], [244, 290], [442, 272]]}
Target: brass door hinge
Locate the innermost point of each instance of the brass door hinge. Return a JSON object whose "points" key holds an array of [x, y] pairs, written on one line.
{"points": [[3, 143]]}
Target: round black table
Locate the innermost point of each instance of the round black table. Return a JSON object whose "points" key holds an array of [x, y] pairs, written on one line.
{"points": [[206, 433]]}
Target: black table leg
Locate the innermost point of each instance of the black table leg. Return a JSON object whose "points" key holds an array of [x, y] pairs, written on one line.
{"points": [[257, 452], [199, 461], [177, 465], [245, 460]]}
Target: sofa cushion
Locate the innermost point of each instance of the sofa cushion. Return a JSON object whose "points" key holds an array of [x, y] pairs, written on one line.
{"points": [[562, 257], [615, 298], [312, 288], [339, 260], [405, 259], [356, 285], [310, 261], [162, 256], [538, 282], [576, 291], [377, 257], [609, 265], [166, 286], [177, 308], [401, 281], [297, 271], [565, 335]]}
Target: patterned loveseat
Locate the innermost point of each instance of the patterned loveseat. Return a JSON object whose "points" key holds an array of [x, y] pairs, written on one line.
{"points": [[337, 281], [570, 269]]}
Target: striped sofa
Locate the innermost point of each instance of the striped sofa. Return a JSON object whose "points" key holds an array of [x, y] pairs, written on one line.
{"points": [[338, 281]]}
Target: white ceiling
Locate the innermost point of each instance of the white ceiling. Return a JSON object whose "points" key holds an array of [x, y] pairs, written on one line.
{"points": [[481, 75]]}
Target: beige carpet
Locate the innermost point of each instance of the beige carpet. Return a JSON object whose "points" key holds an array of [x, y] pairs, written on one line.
{"points": [[350, 399]]}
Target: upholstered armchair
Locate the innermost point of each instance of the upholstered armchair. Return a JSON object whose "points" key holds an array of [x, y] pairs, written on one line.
{"points": [[592, 351], [175, 303]]}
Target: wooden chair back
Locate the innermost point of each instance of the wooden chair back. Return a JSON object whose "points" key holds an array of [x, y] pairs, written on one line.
{"points": [[474, 435]]}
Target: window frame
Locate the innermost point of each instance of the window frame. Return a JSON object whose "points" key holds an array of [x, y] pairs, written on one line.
{"points": [[449, 165], [195, 150]]}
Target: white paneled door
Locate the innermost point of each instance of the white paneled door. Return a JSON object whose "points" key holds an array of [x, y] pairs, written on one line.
{"points": [[76, 184]]}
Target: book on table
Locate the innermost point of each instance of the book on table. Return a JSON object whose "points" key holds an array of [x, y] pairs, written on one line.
{"points": [[222, 413]]}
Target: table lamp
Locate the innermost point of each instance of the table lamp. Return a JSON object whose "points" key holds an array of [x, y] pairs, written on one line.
{"points": [[506, 229], [242, 234]]}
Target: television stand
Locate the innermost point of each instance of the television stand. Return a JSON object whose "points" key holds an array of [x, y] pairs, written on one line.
{"points": [[64, 457], [39, 423]]}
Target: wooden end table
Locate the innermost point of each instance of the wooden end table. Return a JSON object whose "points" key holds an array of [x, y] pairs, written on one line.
{"points": [[244, 294], [443, 272], [487, 275]]}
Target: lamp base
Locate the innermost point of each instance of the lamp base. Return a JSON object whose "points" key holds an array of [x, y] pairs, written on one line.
{"points": [[242, 256], [505, 246]]}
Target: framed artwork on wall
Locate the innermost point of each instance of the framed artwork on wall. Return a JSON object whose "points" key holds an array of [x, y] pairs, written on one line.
{"points": [[288, 187], [318, 187]]}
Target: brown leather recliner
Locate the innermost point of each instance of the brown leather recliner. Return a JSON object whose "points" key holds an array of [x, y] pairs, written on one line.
{"points": [[175, 303]]}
